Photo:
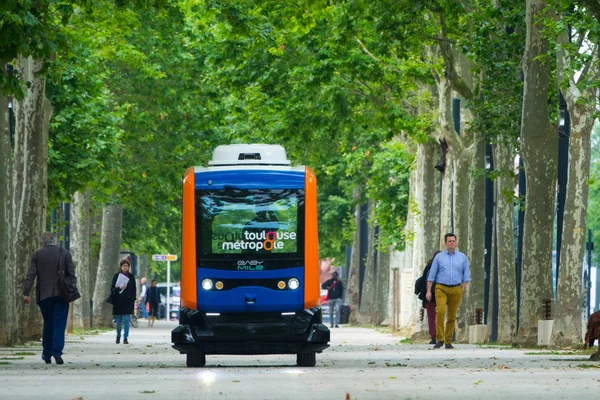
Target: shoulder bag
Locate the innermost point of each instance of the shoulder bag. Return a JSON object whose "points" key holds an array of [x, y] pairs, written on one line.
{"points": [[67, 285]]}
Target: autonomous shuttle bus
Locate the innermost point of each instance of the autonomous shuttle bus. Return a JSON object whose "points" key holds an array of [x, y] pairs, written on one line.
{"points": [[249, 263]]}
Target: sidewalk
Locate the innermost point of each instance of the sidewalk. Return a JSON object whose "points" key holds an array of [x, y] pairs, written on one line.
{"points": [[361, 363]]}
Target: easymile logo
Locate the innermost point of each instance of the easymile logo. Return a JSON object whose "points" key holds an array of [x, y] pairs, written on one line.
{"points": [[250, 265]]}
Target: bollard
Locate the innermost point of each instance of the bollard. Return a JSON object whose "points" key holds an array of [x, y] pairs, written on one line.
{"points": [[547, 309], [478, 332], [422, 315], [545, 324], [478, 317]]}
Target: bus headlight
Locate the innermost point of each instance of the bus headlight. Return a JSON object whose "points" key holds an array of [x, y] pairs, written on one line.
{"points": [[293, 284], [207, 284]]}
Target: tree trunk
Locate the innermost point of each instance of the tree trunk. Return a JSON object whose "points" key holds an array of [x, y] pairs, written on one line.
{"points": [[8, 290], [473, 243], [30, 186], [352, 291], [406, 268], [567, 328], [504, 224], [382, 291], [367, 298], [425, 193], [81, 248], [143, 267], [112, 221], [428, 179], [539, 151]]}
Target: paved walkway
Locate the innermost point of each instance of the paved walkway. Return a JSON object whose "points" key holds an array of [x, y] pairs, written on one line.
{"points": [[360, 364]]}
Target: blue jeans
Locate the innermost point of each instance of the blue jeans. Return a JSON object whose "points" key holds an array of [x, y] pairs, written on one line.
{"points": [[335, 305], [120, 319], [143, 307], [55, 312]]}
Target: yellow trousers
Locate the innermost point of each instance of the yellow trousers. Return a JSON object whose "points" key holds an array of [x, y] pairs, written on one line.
{"points": [[447, 299]]}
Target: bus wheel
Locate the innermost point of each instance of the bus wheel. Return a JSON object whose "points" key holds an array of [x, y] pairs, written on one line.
{"points": [[306, 359], [195, 359]]}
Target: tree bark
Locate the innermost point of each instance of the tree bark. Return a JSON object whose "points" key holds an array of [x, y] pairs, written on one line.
{"points": [[81, 248], [8, 316], [352, 291], [425, 194], [504, 224], [581, 105], [32, 116], [474, 241], [367, 298], [112, 222], [429, 200], [382, 291], [143, 268], [567, 328], [539, 152]]}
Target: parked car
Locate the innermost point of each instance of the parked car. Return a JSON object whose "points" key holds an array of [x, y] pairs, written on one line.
{"points": [[323, 298], [174, 303]]}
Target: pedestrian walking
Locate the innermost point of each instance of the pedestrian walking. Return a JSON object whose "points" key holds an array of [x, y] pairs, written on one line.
{"points": [[154, 301], [123, 299], [44, 266], [428, 305], [335, 291], [143, 297], [450, 271]]}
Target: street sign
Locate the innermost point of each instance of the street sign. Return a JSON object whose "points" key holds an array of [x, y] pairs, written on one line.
{"points": [[164, 257]]}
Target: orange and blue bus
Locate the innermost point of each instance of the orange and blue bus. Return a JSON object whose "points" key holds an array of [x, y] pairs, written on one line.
{"points": [[249, 262]]}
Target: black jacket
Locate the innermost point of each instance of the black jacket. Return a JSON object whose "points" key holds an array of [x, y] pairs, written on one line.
{"points": [[44, 267], [123, 303], [334, 290], [153, 296]]}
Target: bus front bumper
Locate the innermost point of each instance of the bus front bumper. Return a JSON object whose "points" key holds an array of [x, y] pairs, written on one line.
{"points": [[251, 333]]}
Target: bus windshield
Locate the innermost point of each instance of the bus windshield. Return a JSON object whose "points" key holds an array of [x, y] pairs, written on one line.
{"points": [[249, 222]]}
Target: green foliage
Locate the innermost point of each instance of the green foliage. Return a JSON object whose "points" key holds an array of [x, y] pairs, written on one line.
{"points": [[388, 185], [593, 217]]}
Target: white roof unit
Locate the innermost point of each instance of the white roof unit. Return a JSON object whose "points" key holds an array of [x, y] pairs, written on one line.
{"points": [[249, 154]]}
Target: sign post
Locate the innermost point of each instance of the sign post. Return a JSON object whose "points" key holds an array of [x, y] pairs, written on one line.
{"points": [[168, 258]]}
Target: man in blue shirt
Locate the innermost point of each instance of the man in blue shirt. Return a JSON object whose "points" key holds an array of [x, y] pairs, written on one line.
{"points": [[450, 271]]}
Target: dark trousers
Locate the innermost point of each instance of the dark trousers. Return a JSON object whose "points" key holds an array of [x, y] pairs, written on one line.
{"points": [[54, 311], [430, 307]]}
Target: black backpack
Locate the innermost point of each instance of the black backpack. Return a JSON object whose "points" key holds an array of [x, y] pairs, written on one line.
{"points": [[421, 285]]}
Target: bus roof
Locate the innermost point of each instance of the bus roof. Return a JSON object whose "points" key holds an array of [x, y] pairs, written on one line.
{"points": [[249, 154]]}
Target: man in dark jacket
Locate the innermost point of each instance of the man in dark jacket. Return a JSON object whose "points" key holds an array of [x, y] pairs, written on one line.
{"points": [[335, 291], [44, 266]]}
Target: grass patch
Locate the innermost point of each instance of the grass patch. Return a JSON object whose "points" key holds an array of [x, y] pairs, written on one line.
{"points": [[568, 359], [581, 352], [494, 345], [588, 366], [24, 353], [5, 363], [90, 332], [12, 358], [406, 341]]}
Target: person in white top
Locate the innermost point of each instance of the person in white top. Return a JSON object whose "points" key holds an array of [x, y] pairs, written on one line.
{"points": [[143, 297]]}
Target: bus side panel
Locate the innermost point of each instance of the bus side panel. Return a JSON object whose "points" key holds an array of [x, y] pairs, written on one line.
{"points": [[188, 243], [311, 242]]}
